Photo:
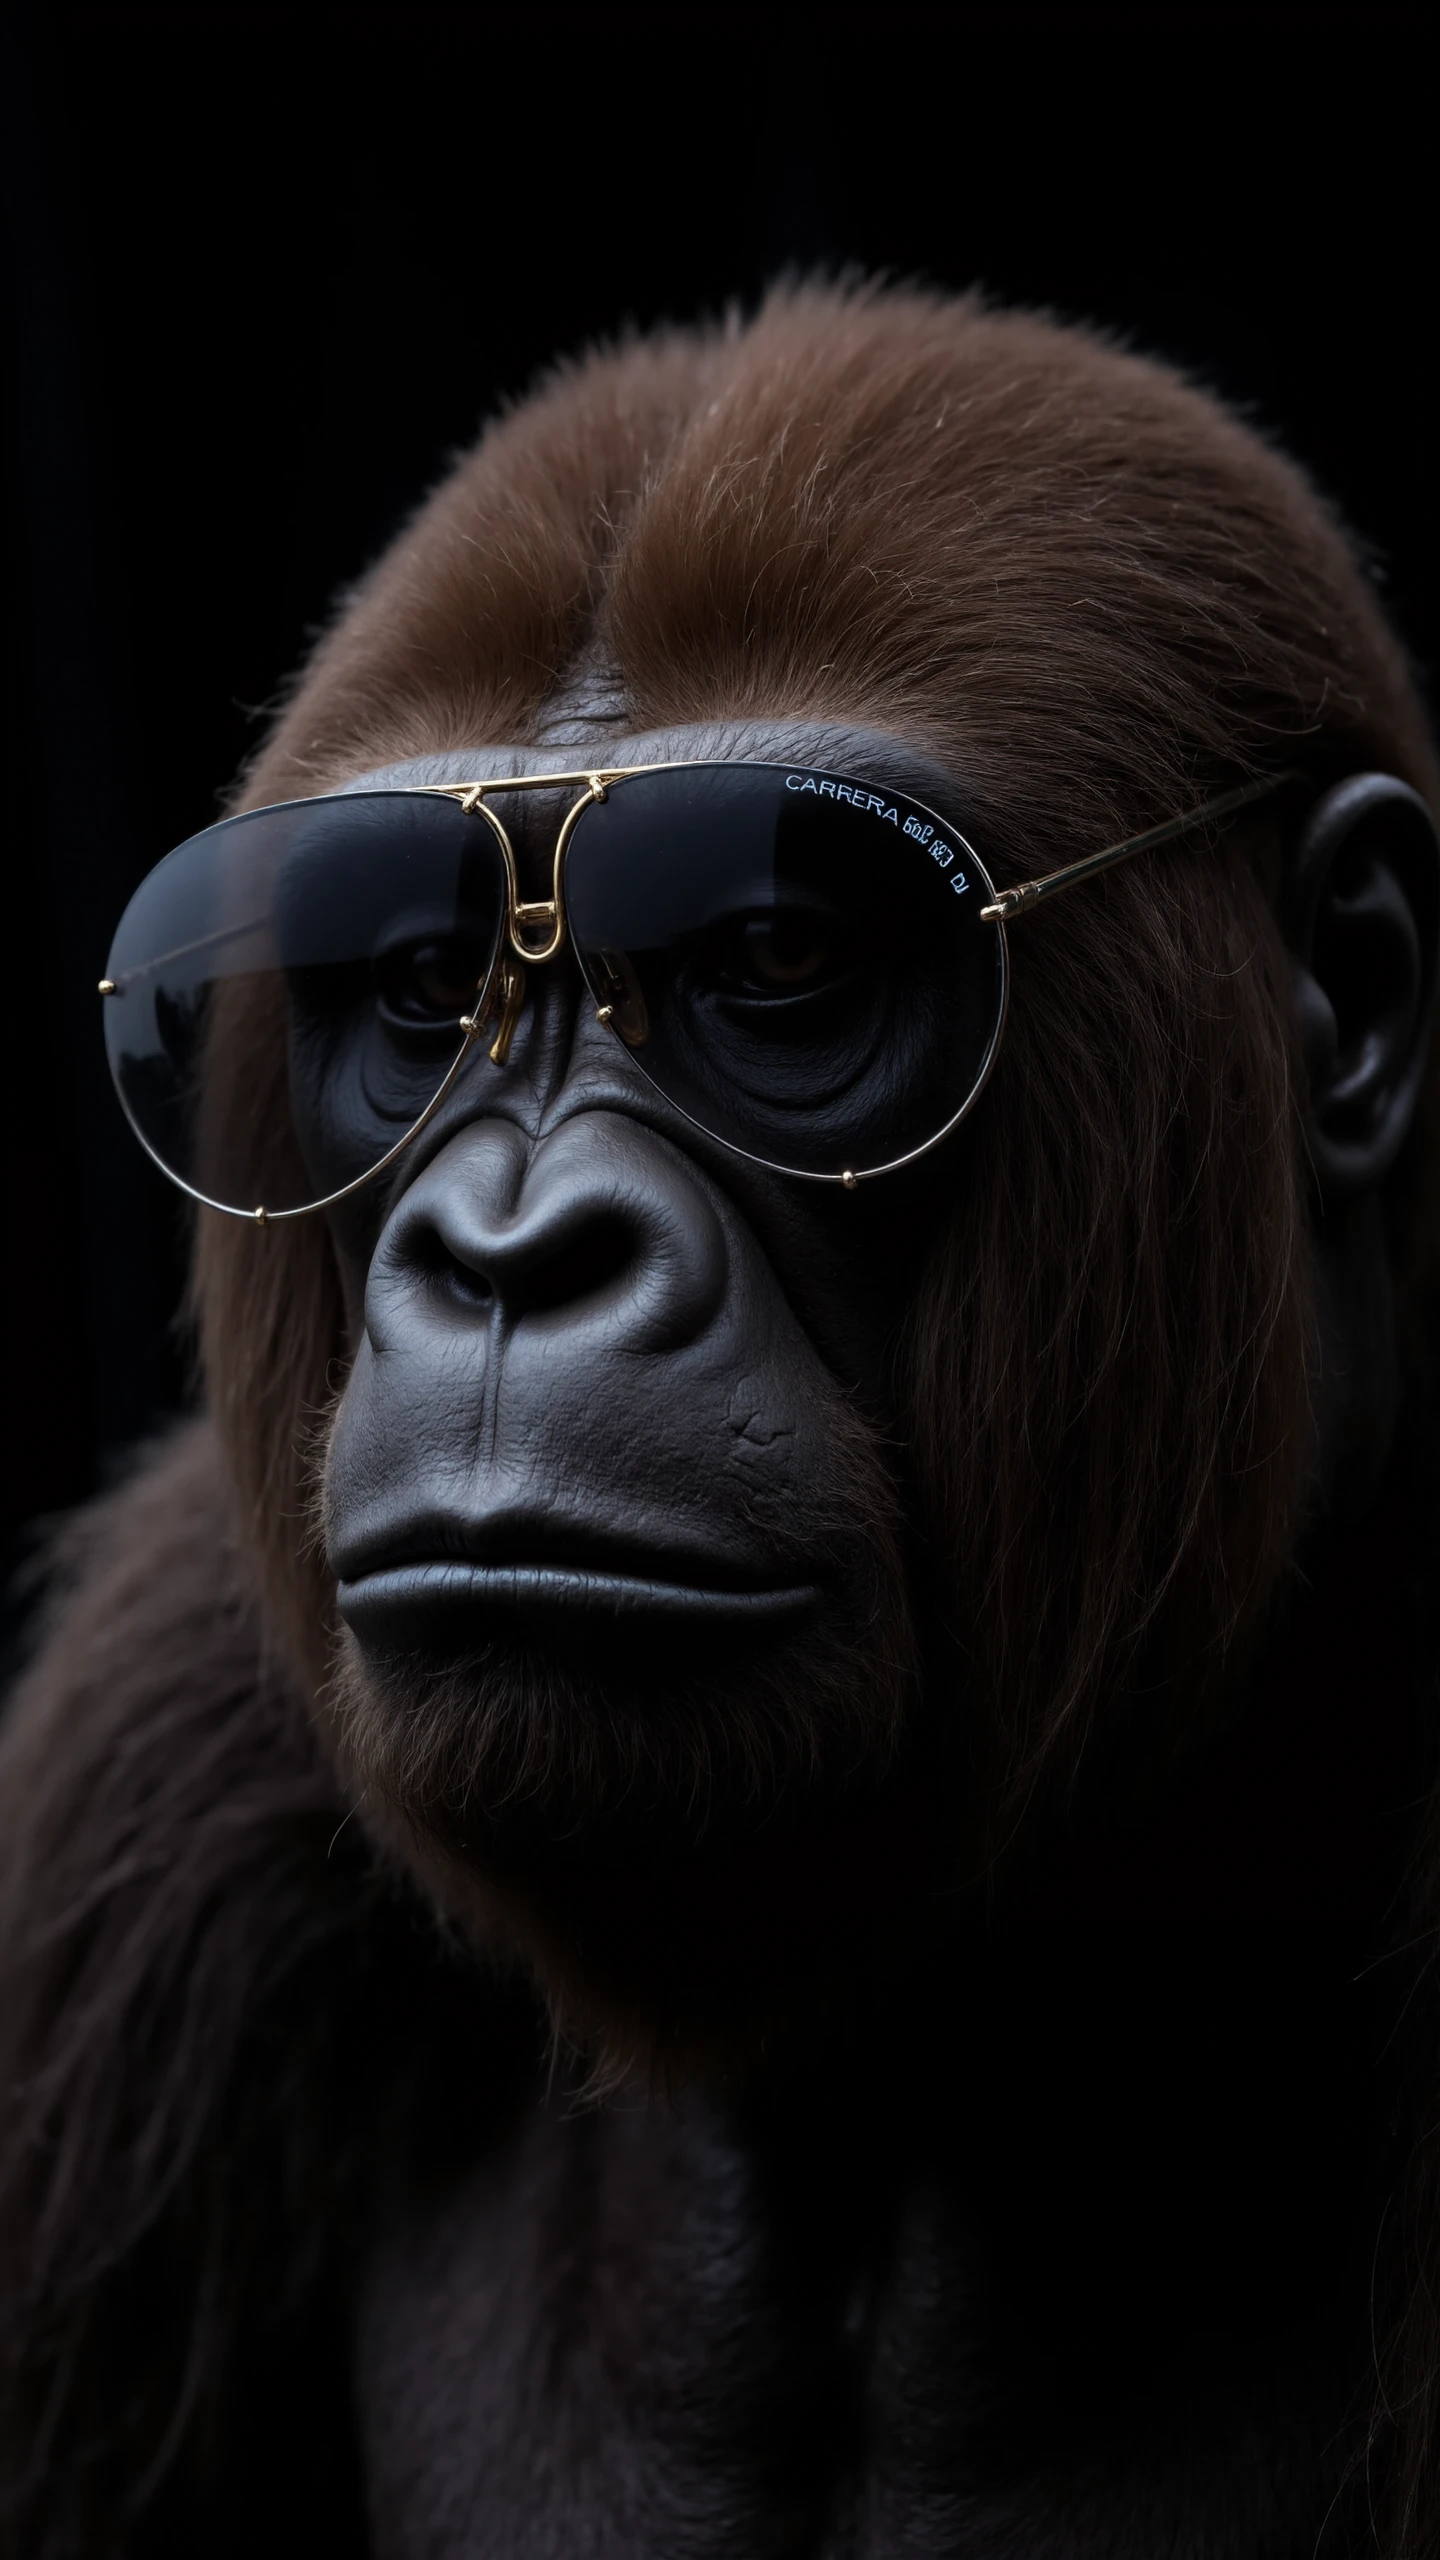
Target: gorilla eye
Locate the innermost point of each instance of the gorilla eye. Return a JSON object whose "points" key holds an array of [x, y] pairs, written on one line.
{"points": [[785, 951], [429, 983]]}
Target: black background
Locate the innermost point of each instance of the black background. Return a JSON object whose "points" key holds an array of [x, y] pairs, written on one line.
{"points": [[267, 269]]}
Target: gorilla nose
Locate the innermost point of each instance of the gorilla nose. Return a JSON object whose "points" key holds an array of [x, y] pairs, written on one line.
{"points": [[600, 1222]]}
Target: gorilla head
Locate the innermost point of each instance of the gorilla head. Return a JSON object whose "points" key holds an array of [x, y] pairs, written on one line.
{"points": [[728, 1558]]}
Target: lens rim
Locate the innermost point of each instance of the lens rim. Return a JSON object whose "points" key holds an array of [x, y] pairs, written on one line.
{"points": [[470, 1030], [852, 1177]]}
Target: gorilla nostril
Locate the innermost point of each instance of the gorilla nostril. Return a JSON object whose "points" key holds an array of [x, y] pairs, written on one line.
{"points": [[560, 1270], [473, 1288], [460, 1279], [577, 1266]]}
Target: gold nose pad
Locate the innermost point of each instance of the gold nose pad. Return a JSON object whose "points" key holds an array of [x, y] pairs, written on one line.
{"points": [[624, 1005]]}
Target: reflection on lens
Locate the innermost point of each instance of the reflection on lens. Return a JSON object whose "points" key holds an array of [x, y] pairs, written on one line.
{"points": [[805, 955], [289, 986]]}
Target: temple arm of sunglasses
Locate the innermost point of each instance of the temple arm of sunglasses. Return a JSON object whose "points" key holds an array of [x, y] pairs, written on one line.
{"points": [[1010, 903]]}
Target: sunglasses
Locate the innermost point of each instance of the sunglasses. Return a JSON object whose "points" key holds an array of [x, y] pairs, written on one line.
{"points": [[811, 970]]}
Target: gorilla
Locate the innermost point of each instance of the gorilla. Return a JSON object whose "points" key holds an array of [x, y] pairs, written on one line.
{"points": [[735, 1853]]}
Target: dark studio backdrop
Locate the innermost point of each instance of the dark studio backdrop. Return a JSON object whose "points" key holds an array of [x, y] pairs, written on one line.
{"points": [[269, 268]]}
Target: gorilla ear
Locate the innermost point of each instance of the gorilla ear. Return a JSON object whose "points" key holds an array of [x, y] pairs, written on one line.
{"points": [[1362, 916]]}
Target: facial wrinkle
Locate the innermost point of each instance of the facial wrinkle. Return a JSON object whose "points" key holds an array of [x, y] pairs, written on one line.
{"points": [[590, 705]]}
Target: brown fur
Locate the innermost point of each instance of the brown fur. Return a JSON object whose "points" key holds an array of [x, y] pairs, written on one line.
{"points": [[1097, 599], [164, 1871]]}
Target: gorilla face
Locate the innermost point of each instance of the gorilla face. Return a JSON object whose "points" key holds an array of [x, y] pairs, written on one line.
{"points": [[630, 1662]]}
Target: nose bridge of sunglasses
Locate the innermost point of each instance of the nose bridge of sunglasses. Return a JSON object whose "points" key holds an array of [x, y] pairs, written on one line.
{"points": [[535, 927]]}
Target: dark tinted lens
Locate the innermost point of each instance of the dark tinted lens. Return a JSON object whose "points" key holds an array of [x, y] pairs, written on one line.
{"points": [[797, 961], [289, 987]]}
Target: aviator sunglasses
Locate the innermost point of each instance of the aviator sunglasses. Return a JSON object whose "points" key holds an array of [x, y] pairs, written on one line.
{"points": [[811, 970]]}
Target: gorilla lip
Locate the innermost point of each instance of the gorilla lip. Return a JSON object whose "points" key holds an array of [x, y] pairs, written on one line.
{"points": [[378, 1604], [519, 1568]]}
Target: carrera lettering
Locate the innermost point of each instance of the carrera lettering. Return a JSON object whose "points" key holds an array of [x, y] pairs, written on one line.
{"points": [[874, 804]]}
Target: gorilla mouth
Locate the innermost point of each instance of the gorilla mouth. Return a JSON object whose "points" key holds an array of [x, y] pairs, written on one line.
{"points": [[438, 1577], [397, 1603]]}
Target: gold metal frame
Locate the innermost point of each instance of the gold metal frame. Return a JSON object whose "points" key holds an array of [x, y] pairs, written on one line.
{"points": [[1021, 901], [505, 984]]}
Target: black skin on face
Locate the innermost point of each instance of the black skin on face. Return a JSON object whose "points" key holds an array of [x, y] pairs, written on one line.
{"points": [[1050, 2279], [846, 1261], [613, 1412]]}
